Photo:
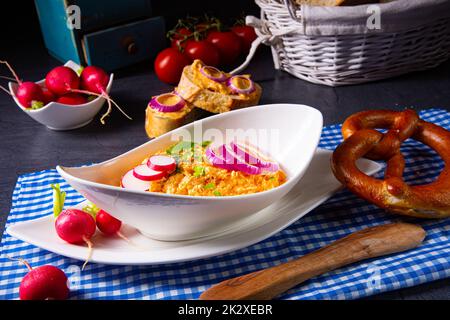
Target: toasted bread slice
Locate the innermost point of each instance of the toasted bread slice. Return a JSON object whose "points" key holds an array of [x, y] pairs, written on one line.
{"points": [[158, 123], [210, 95]]}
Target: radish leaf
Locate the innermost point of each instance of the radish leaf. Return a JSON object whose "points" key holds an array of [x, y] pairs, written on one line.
{"points": [[36, 104], [80, 70], [92, 209], [58, 199]]}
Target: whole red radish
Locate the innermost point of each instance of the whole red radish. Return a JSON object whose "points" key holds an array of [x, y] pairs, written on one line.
{"points": [[62, 80], [107, 224], [94, 81], [44, 283], [48, 96], [30, 95], [72, 99], [72, 225], [75, 226]]}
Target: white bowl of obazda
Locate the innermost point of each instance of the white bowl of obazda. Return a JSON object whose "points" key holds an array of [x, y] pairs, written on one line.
{"points": [[189, 202]]}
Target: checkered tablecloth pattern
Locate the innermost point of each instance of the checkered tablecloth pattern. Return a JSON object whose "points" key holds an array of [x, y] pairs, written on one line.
{"points": [[342, 214]]}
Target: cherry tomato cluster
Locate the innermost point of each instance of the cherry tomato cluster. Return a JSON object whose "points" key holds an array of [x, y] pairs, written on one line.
{"points": [[205, 39]]}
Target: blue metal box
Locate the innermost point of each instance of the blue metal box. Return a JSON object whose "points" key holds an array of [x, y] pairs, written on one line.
{"points": [[110, 34]]}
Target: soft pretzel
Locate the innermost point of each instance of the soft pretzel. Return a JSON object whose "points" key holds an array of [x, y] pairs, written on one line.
{"points": [[362, 140]]}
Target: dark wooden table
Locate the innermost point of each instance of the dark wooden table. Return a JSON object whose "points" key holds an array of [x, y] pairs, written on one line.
{"points": [[27, 146]]}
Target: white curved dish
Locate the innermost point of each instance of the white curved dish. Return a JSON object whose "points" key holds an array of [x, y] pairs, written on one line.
{"points": [[58, 116], [292, 135], [317, 185]]}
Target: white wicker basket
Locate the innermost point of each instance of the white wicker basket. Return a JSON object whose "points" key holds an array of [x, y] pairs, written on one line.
{"points": [[334, 46]]}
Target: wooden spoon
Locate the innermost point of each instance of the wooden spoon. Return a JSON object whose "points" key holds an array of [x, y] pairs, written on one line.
{"points": [[368, 243]]}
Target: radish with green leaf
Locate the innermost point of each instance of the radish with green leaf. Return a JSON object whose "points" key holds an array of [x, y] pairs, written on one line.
{"points": [[106, 223], [72, 225]]}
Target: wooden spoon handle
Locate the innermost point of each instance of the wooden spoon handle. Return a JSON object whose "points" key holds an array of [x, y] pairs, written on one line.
{"points": [[368, 243]]}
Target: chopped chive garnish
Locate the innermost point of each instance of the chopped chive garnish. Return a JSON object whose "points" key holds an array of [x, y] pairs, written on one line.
{"points": [[210, 186], [199, 171], [180, 146], [206, 143]]}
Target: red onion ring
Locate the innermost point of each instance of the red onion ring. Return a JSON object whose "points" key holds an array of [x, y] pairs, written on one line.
{"points": [[254, 156], [217, 160], [161, 107], [227, 159], [222, 77], [236, 89]]}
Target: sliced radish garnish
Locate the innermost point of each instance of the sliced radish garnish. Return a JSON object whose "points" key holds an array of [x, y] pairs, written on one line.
{"points": [[254, 156], [162, 163], [129, 181], [143, 172], [226, 158]]}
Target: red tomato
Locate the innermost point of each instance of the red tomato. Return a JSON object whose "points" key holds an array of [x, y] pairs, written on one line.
{"points": [[177, 39], [227, 43], [246, 34], [204, 51], [169, 65]]}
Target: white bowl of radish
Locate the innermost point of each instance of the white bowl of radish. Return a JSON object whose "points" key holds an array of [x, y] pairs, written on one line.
{"points": [[63, 116], [288, 133]]}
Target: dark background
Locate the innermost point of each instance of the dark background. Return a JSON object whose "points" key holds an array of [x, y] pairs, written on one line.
{"points": [[27, 146]]}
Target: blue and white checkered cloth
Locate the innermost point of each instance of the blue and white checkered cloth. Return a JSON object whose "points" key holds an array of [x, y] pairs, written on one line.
{"points": [[342, 214]]}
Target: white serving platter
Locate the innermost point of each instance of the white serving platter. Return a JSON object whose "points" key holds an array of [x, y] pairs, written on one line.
{"points": [[316, 186]]}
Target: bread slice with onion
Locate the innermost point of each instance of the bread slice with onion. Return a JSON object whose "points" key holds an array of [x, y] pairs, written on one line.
{"points": [[216, 91], [159, 121]]}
